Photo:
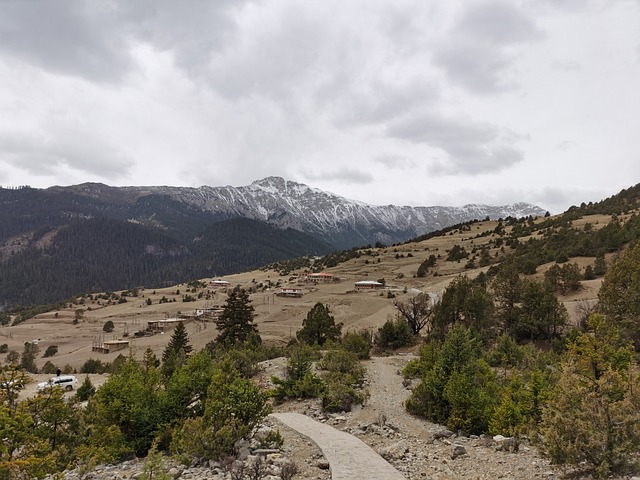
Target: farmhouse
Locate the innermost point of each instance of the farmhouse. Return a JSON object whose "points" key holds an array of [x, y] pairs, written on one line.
{"points": [[368, 285], [317, 278], [290, 292], [220, 283]]}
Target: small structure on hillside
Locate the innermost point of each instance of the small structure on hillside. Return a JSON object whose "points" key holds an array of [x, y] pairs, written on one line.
{"points": [[166, 324], [220, 283], [207, 313], [368, 285], [290, 292], [317, 278], [108, 346]]}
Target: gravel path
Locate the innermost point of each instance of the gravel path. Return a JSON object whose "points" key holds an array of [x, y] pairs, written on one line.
{"points": [[348, 457]]}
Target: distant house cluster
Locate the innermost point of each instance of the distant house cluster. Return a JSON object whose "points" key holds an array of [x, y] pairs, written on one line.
{"points": [[316, 278]]}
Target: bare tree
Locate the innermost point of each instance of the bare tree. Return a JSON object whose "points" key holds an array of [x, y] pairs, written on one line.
{"points": [[416, 310]]}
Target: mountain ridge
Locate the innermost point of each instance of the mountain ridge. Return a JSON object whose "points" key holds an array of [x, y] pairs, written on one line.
{"points": [[334, 219]]}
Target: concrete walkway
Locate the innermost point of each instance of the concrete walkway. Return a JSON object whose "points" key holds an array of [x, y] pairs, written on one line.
{"points": [[349, 457]]}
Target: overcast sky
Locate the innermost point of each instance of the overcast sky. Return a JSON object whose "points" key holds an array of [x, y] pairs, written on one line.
{"points": [[438, 102]]}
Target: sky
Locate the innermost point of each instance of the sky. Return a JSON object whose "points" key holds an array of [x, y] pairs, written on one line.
{"points": [[405, 102]]}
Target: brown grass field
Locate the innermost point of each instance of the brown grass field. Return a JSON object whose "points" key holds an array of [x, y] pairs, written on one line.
{"points": [[277, 318]]}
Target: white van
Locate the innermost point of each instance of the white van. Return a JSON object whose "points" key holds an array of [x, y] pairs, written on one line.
{"points": [[66, 382]]}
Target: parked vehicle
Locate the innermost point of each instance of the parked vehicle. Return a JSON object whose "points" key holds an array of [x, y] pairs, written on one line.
{"points": [[66, 382]]}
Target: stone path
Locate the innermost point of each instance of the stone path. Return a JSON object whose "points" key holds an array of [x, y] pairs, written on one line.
{"points": [[349, 457]]}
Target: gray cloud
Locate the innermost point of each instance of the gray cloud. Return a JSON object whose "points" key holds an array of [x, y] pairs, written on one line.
{"points": [[471, 147], [395, 161], [480, 46], [41, 154], [69, 37], [343, 175]]}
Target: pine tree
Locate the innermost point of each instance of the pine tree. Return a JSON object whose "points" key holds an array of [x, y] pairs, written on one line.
{"points": [[178, 342], [319, 326], [235, 325]]}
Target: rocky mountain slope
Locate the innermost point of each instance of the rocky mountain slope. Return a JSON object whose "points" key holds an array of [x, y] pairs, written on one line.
{"points": [[339, 221]]}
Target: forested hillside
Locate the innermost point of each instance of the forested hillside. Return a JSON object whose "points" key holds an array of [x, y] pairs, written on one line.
{"points": [[100, 254]]}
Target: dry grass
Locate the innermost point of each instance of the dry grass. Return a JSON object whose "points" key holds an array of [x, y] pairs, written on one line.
{"points": [[277, 318]]}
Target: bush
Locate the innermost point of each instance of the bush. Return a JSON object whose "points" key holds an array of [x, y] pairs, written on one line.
{"points": [[394, 334], [4, 348], [358, 343], [300, 381], [343, 362], [86, 390], [341, 393], [49, 368], [94, 366], [109, 326], [50, 351]]}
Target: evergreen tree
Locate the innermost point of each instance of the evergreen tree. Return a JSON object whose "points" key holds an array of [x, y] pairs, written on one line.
{"points": [[319, 326], [235, 325], [178, 342]]}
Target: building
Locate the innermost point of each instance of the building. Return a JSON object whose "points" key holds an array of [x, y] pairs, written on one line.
{"points": [[165, 324], [368, 285], [220, 283], [290, 292], [317, 278], [108, 346]]}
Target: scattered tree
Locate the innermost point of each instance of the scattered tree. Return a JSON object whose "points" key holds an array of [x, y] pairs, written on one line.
{"points": [[108, 326], [235, 324], [319, 326], [416, 311]]}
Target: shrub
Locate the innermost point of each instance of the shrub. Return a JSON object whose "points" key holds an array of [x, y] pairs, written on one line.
{"points": [[341, 361], [49, 368], [341, 393], [86, 390], [4, 348], [108, 326], [394, 334], [50, 351], [94, 366], [358, 343], [300, 381]]}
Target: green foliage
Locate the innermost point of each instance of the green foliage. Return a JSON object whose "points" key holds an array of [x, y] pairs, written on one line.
{"points": [[154, 468], [50, 351], [394, 334], [458, 388], [319, 326], [540, 314], [358, 343], [177, 350], [233, 407], [591, 420], [457, 253], [28, 357], [235, 324], [564, 279], [131, 399], [86, 390], [94, 365], [300, 381], [49, 368], [344, 375], [108, 326], [619, 295], [4, 348], [464, 303], [424, 267]]}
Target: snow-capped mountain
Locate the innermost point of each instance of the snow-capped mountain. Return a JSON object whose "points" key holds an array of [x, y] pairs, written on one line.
{"points": [[339, 221]]}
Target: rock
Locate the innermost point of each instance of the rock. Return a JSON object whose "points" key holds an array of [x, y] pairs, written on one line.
{"points": [[457, 451], [322, 464], [440, 434], [394, 451], [506, 444]]}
